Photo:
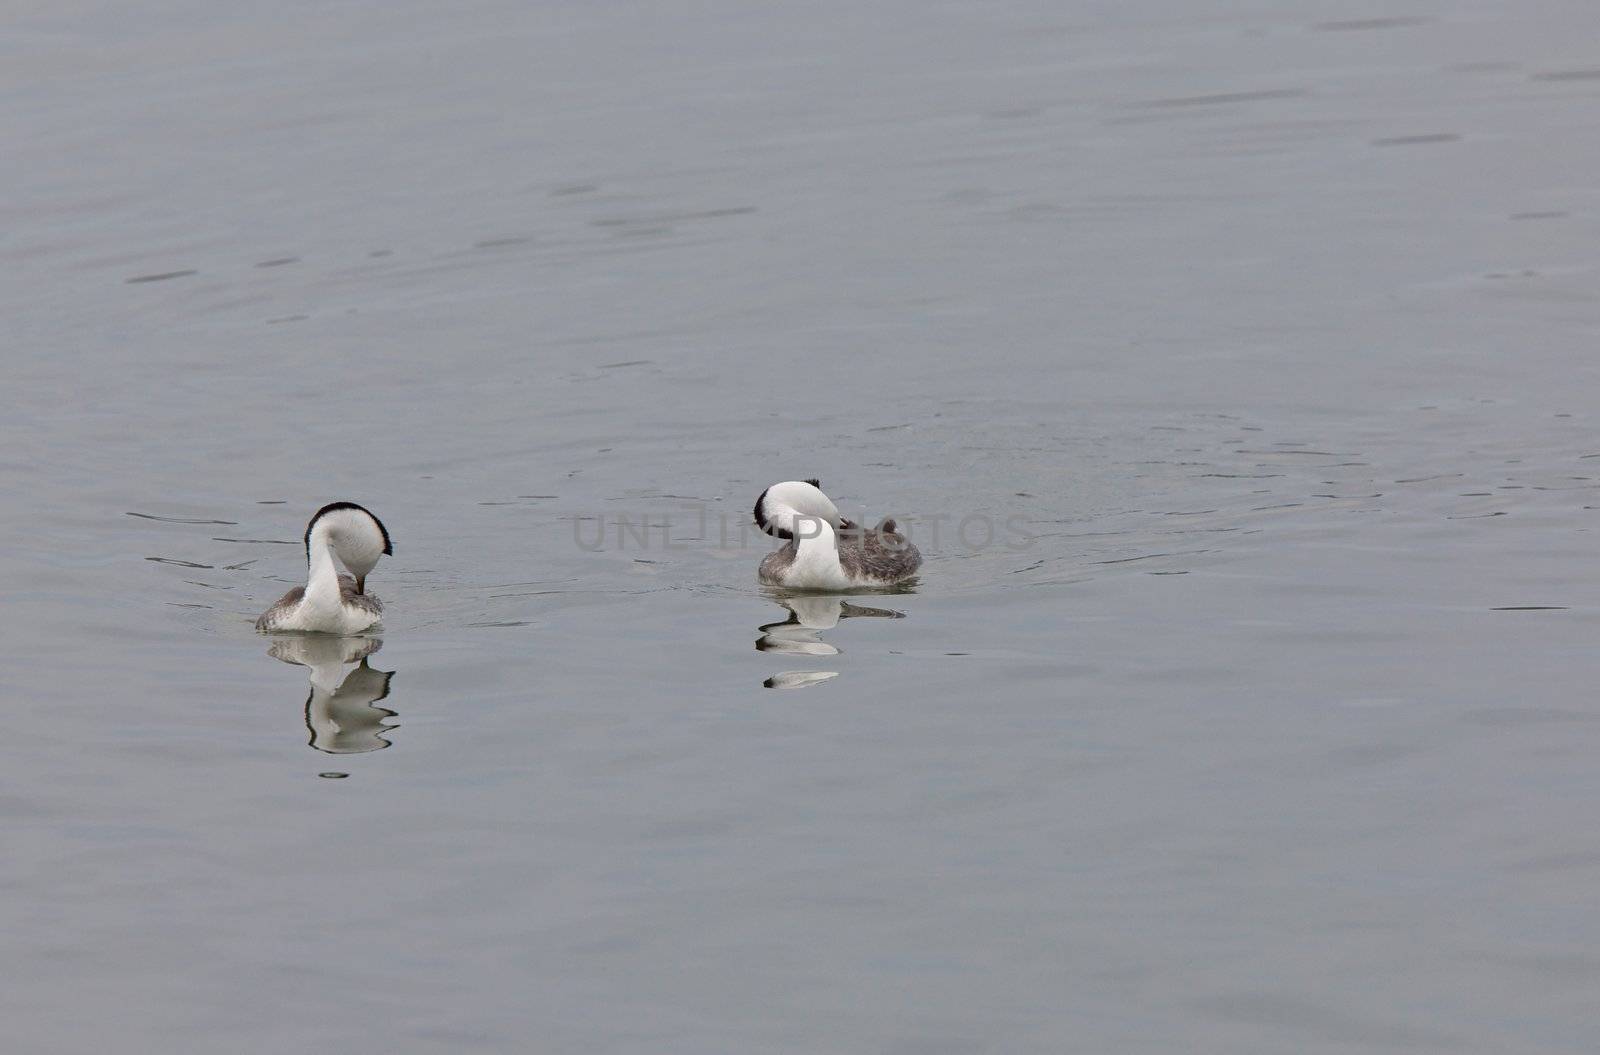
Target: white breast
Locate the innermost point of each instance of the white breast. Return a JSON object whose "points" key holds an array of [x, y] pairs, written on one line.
{"points": [[816, 563]]}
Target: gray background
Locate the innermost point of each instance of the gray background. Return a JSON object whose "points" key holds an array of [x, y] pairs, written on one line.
{"points": [[1276, 321]]}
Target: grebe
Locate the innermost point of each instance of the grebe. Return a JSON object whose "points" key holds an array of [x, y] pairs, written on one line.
{"points": [[826, 551], [331, 602]]}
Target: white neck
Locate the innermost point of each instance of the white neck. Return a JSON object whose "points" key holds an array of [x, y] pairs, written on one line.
{"points": [[322, 578], [816, 560], [786, 504]]}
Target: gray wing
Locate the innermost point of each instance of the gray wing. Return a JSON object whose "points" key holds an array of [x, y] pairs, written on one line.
{"points": [[284, 605], [881, 554], [365, 601], [774, 564]]}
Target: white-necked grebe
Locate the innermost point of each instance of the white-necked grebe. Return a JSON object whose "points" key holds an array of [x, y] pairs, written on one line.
{"points": [[332, 602], [825, 551]]}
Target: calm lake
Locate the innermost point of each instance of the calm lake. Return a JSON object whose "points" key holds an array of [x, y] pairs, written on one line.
{"points": [[1261, 338]]}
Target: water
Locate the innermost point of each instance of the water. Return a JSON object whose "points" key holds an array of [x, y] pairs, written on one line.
{"points": [[1274, 323]]}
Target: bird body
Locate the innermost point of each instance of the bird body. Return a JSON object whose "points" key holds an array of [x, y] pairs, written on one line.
{"points": [[332, 602], [825, 551]]}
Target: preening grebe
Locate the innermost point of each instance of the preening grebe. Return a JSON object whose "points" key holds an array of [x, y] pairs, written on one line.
{"points": [[826, 551], [331, 602]]}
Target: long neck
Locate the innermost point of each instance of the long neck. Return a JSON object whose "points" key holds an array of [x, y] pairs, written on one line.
{"points": [[789, 504], [816, 546], [814, 535], [816, 559], [322, 580]]}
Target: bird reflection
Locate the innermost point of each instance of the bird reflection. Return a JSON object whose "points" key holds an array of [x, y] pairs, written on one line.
{"points": [[341, 710], [800, 634]]}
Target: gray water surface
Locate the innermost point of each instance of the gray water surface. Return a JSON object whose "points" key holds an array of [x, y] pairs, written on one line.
{"points": [[1274, 323]]}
